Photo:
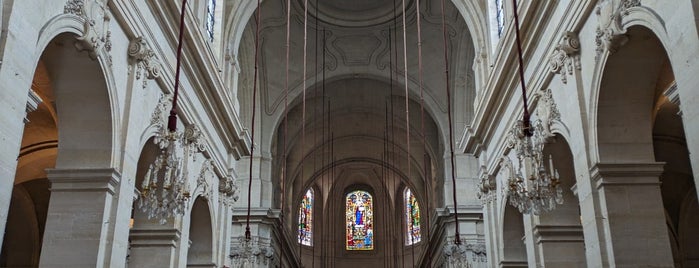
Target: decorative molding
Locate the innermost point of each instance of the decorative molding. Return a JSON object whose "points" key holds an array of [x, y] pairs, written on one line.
{"points": [[566, 56], [96, 33], [142, 56], [609, 34]]}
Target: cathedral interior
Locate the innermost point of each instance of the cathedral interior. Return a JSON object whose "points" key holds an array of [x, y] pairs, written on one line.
{"points": [[365, 133]]}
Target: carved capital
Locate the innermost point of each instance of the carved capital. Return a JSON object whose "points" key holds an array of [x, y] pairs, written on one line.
{"points": [[96, 33], [566, 56], [610, 34], [143, 57]]}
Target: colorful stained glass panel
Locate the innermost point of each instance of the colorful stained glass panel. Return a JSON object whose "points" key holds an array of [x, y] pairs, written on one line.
{"points": [[359, 218], [412, 218], [306, 219]]}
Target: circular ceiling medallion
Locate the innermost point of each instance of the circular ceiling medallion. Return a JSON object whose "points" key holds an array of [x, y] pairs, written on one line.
{"points": [[356, 13]]}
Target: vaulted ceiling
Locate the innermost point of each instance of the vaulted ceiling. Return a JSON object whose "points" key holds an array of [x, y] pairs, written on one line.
{"points": [[352, 46]]}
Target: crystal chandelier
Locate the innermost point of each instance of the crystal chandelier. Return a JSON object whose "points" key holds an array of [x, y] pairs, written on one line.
{"points": [[250, 252], [164, 191], [465, 255], [531, 188]]}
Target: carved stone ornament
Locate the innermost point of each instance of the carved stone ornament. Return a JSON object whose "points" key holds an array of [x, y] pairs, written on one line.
{"points": [[486, 187], [193, 137], [95, 14], [228, 188], [609, 34], [142, 56], [547, 113], [206, 174], [566, 56]]}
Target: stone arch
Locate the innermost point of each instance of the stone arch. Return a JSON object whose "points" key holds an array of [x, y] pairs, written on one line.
{"points": [[68, 69], [636, 113], [201, 240], [513, 252], [561, 229]]}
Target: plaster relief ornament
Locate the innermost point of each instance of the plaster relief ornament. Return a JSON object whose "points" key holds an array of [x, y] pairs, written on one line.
{"points": [[142, 56], [610, 34], [96, 33], [566, 56]]}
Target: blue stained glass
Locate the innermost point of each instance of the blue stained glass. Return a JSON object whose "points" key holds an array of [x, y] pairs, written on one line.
{"points": [[359, 218]]}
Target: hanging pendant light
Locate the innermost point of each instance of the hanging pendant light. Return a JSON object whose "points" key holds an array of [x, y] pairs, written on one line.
{"points": [[164, 190], [531, 188]]}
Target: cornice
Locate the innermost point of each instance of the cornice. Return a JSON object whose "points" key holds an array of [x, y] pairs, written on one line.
{"points": [[199, 66], [502, 85]]}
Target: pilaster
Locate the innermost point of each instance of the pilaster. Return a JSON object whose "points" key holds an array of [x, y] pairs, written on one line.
{"points": [[632, 214], [153, 247], [79, 218]]}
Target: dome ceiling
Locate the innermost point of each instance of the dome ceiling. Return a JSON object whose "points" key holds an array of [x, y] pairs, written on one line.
{"points": [[356, 13]]}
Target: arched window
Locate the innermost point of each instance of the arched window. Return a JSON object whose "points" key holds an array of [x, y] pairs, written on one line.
{"points": [[359, 220], [306, 219], [412, 218], [500, 16], [210, 19]]}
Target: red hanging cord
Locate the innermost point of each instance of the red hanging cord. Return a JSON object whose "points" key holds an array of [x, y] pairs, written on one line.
{"points": [[526, 123], [172, 119], [252, 120], [457, 238], [286, 130]]}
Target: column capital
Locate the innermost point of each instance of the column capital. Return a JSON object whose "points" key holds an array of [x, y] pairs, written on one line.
{"points": [[626, 174], [84, 180]]}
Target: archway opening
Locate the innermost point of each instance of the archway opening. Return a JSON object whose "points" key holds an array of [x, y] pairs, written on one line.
{"points": [[639, 122], [200, 252]]}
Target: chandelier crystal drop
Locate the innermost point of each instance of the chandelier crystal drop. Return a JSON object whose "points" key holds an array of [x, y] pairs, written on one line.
{"points": [[249, 252], [164, 190], [531, 187]]}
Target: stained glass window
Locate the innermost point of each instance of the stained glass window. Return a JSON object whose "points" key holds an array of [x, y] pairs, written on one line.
{"points": [[412, 218], [210, 19], [359, 218], [500, 16], [306, 219]]}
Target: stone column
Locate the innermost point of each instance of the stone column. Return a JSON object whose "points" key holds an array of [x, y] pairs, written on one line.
{"points": [[79, 218], [631, 214]]}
